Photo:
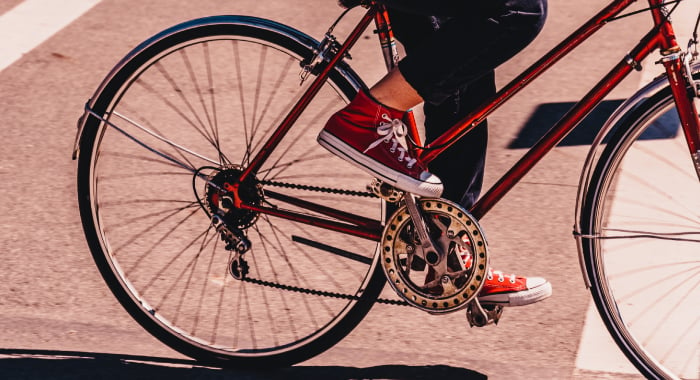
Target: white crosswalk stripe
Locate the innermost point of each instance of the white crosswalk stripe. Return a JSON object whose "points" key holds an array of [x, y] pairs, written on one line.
{"points": [[46, 17]]}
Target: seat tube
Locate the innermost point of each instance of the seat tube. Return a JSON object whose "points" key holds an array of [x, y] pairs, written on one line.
{"points": [[391, 59], [386, 37]]}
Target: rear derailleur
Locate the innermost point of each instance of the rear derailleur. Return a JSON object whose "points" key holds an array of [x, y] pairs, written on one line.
{"points": [[237, 242]]}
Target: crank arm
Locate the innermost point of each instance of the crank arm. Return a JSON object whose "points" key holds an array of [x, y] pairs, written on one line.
{"points": [[427, 251]]}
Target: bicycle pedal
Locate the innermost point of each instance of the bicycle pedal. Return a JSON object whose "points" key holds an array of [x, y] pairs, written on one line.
{"points": [[385, 191], [480, 316]]}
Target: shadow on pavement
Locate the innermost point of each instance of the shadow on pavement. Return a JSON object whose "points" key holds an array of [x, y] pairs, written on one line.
{"points": [[547, 114], [45, 364]]}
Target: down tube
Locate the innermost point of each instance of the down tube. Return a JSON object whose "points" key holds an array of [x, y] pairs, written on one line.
{"points": [[560, 130]]}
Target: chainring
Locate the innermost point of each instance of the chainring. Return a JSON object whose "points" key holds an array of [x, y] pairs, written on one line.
{"points": [[452, 230]]}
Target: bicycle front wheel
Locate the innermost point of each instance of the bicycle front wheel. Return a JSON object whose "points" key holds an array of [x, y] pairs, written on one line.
{"points": [[179, 117], [641, 221]]}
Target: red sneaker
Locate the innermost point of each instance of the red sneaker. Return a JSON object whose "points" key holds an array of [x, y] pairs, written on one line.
{"points": [[367, 134], [510, 290], [513, 290]]}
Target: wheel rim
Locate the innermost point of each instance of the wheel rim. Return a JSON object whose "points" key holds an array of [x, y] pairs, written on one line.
{"points": [[156, 236], [647, 266]]}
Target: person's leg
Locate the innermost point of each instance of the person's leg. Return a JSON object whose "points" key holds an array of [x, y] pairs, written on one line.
{"points": [[459, 51], [466, 46], [461, 167]]}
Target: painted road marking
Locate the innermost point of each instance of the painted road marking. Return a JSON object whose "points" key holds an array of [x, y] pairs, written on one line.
{"points": [[32, 22]]}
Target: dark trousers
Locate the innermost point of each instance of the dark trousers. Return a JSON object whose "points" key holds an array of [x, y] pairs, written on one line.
{"points": [[453, 47]]}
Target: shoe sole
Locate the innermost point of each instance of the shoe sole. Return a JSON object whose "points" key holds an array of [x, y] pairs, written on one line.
{"points": [[388, 175], [522, 298]]}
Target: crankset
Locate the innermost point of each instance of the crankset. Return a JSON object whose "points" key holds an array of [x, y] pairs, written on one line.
{"points": [[435, 261]]}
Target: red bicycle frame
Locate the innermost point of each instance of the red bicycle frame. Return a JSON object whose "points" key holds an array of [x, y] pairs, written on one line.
{"points": [[661, 36]]}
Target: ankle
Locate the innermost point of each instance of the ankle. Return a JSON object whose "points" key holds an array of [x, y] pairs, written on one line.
{"points": [[386, 102], [393, 91]]}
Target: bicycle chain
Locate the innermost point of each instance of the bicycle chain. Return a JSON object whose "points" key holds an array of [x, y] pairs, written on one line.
{"points": [[319, 189], [314, 291], [322, 293]]}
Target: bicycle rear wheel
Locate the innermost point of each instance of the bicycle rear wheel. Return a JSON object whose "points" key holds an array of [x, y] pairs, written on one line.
{"points": [[641, 226], [181, 114]]}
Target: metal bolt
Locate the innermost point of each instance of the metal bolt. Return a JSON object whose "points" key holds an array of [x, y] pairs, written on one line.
{"points": [[445, 279], [450, 234], [226, 203]]}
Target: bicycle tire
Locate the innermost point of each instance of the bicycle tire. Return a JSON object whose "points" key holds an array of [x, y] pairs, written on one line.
{"points": [[639, 225], [150, 137]]}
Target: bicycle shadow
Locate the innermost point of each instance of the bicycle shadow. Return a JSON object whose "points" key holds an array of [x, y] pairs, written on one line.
{"points": [[50, 364]]}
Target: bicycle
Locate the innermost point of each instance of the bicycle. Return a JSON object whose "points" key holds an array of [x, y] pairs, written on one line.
{"points": [[227, 232]]}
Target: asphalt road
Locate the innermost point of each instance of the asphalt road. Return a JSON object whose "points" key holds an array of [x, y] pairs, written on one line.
{"points": [[58, 319]]}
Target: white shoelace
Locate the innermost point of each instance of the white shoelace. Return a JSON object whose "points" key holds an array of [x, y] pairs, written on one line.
{"points": [[391, 130], [501, 276]]}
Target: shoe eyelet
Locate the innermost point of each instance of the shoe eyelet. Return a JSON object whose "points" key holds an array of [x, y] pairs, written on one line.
{"points": [[500, 279]]}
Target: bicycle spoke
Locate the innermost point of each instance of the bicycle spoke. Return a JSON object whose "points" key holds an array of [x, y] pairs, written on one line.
{"points": [[208, 274], [215, 330], [154, 246], [258, 137], [177, 255], [190, 267], [165, 140], [144, 159], [212, 94], [207, 132], [198, 124], [315, 120], [239, 79], [169, 213], [298, 277], [273, 96]]}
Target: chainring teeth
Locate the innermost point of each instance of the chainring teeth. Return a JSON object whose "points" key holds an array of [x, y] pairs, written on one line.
{"points": [[394, 249]]}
